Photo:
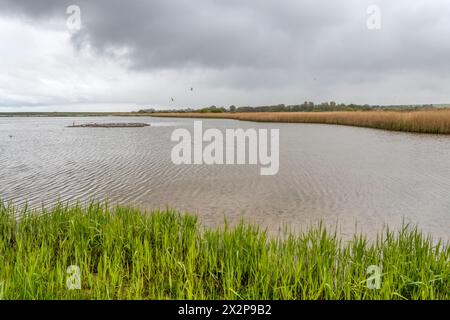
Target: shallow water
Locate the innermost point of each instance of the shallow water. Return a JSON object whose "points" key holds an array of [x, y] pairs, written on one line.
{"points": [[357, 178]]}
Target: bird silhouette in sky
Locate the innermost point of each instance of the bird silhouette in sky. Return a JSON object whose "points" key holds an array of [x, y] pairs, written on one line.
{"points": [[173, 99], [192, 89]]}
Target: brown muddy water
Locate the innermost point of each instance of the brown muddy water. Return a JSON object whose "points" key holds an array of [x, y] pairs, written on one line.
{"points": [[355, 178]]}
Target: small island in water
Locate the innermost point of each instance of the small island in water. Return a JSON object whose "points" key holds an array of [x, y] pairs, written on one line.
{"points": [[109, 125]]}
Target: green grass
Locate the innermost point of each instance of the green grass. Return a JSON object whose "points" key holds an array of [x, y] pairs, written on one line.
{"points": [[125, 254]]}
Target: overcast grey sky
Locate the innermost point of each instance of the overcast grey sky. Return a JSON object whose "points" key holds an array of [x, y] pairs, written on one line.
{"points": [[135, 53]]}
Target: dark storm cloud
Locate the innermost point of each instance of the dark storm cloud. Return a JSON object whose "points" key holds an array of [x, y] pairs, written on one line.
{"points": [[262, 34], [262, 43], [211, 34]]}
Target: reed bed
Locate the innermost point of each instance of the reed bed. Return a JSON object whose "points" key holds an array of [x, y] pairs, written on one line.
{"points": [[123, 253], [429, 121]]}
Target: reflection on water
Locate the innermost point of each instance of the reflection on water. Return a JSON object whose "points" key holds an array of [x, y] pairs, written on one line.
{"points": [[360, 178]]}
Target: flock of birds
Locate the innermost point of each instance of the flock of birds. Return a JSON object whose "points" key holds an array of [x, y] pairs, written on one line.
{"points": [[173, 99]]}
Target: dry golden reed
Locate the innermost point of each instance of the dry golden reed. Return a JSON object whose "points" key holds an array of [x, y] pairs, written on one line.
{"points": [[430, 121]]}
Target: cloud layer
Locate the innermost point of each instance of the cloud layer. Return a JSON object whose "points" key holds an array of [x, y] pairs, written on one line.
{"points": [[234, 52]]}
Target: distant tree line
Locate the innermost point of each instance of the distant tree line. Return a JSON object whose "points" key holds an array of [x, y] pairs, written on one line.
{"points": [[307, 106]]}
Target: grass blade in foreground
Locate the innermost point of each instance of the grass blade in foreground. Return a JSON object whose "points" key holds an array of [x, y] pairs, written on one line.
{"points": [[123, 253]]}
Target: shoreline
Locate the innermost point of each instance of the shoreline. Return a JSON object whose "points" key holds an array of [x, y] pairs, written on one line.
{"points": [[435, 121], [124, 253]]}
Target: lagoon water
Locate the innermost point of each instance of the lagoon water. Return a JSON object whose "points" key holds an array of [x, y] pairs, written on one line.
{"points": [[355, 178]]}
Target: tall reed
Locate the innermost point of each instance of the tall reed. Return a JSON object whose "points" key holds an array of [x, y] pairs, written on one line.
{"points": [[123, 253]]}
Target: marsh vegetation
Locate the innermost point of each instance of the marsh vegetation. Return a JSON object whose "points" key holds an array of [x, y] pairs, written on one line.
{"points": [[425, 121], [123, 253]]}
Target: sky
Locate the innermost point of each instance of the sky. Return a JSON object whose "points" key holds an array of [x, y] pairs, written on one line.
{"points": [[117, 55]]}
